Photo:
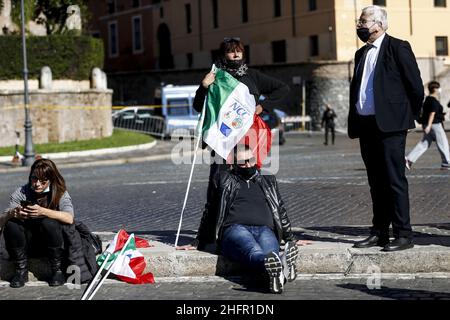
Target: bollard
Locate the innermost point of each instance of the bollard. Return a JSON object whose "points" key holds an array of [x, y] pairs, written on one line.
{"points": [[16, 160]]}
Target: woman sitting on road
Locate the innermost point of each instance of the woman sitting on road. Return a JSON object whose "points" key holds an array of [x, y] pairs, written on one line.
{"points": [[34, 221]]}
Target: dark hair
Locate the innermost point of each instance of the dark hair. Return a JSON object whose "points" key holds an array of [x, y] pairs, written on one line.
{"points": [[229, 45], [45, 169], [432, 86]]}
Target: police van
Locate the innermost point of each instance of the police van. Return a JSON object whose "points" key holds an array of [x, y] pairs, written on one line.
{"points": [[177, 109]]}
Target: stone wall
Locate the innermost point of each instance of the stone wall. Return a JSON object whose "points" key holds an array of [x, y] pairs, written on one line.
{"points": [[56, 115]]}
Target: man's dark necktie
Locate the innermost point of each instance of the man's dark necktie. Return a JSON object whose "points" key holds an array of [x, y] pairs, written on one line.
{"points": [[360, 68]]}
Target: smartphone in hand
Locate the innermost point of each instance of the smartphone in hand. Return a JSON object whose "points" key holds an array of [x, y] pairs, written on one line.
{"points": [[25, 203]]}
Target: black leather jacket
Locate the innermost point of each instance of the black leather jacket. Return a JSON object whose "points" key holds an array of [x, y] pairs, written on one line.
{"points": [[211, 227]]}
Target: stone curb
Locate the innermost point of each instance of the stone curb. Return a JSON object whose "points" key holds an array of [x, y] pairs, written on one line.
{"points": [[320, 258], [87, 153]]}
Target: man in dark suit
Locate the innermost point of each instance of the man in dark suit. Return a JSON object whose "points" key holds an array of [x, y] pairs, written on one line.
{"points": [[386, 96]]}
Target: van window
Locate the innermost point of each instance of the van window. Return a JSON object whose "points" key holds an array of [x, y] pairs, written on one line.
{"points": [[178, 107]]}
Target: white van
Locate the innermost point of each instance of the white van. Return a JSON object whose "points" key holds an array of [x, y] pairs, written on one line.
{"points": [[176, 108]]}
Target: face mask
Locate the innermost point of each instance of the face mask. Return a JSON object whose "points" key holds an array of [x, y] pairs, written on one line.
{"points": [[246, 173], [45, 191], [363, 34], [234, 64]]}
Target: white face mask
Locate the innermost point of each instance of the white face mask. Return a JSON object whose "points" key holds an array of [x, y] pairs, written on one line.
{"points": [[46, 189], [439, 90]]}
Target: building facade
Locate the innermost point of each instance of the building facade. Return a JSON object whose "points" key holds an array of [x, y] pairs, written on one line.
{"points": [[289, 31], [126, 27], [182, 34], [301, 35]]}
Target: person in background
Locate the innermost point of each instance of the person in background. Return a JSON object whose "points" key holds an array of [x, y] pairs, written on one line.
{"points": [[328, 121], [433, 117]]}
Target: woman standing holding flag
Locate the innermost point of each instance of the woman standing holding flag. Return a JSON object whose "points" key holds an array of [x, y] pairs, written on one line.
{"points": [[232, 60]]}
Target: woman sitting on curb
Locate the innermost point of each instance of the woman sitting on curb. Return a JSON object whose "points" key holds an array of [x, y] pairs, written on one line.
{"points": [[39, 218]]}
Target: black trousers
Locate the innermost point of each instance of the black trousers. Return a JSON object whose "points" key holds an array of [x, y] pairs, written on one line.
{"points": [[384, 157], [329, 127], [34, 234]]}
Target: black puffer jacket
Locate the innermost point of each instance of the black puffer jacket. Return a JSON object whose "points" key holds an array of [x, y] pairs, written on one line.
{"points": [[211, 228], [79, 250]]}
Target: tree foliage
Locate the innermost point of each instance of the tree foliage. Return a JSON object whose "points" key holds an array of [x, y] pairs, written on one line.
{"points": [[54, 11], [69, 57]]}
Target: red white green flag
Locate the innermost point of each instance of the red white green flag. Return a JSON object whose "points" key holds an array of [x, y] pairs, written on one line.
{"points": [[130, 265]]}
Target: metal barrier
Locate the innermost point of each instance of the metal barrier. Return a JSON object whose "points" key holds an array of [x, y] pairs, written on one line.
{"points": [[144, 123], [296, 123]]}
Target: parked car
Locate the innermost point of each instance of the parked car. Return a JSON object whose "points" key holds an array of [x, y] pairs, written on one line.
{"points": [[139, 118]]}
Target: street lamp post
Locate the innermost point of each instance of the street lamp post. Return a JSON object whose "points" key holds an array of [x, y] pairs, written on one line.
{"points": [[29, 151]]}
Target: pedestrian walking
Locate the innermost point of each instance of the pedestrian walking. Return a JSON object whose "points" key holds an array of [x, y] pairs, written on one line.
{"points": [[328, 121], [432, 120], [232, 60], [386, 96]]}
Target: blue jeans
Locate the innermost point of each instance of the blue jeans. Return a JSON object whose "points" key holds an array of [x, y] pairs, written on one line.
{"points": [[249, 244]]}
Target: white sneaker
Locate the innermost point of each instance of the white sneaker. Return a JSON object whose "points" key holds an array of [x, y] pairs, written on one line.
{"points": [[288, 259], [408, 164], [274, 268]]}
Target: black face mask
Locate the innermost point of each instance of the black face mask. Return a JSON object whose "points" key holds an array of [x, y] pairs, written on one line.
{"points": [[363, 34], [245, 173], [234, 64]]}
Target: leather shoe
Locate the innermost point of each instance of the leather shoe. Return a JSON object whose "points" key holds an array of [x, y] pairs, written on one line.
{"points": [[372, 241], [399, 244]]}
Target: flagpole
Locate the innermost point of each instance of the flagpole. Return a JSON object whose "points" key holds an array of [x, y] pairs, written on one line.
{"points": [[111, 267], [199, 138], [91, 285]]}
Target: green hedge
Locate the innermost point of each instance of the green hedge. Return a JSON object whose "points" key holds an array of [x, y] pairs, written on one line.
{"points": [[69, 57]]}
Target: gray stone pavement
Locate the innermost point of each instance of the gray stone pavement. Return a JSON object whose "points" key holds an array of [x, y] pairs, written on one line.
{"points": [[325, 189], [217, 288]]}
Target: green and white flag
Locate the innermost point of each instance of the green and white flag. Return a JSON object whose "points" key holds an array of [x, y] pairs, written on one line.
{"points": [[229, 113]]}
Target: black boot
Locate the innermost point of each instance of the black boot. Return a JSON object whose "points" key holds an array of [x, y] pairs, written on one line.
{"points": [[19, 256], [54, 258]]}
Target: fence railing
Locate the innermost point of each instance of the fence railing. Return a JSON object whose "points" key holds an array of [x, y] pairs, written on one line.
{"points": [[153, 125], [296, 123]]}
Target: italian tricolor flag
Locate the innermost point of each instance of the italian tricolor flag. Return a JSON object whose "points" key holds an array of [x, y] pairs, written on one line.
{"points": [[229, 113], [130, 265]]}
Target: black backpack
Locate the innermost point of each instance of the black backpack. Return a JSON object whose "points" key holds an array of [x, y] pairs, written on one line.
{"points": [[91, 244]]}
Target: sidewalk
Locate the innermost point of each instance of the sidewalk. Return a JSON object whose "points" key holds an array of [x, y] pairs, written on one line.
{"points": [[331, 253], [113, 156]]}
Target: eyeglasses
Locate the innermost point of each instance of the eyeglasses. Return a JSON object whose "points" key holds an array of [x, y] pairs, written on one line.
{"points": [[36, 179], [363, 22], [251, 161], [235, 39]]}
